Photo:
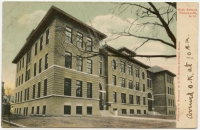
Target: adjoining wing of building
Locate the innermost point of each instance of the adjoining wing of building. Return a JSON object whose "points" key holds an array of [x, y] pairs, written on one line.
{"points": [[55, 78]]}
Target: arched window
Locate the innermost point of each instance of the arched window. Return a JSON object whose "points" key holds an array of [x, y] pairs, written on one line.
{"points": [[149, 95], [113, 64]]}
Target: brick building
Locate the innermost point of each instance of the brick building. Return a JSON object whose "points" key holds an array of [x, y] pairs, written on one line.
{"points": [[56, 77]]}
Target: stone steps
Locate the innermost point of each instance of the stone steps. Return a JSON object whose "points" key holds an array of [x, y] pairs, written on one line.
{"points": [[106, 113]]}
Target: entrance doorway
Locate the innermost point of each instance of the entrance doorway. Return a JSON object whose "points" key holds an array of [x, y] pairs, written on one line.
{"points": [[100, 97], [150, 102]]}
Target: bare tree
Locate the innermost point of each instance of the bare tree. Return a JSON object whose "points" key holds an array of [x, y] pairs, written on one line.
{"points": [[147, 14], [153, 15]]}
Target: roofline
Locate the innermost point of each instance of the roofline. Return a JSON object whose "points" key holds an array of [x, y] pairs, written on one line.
{"points": [[125, 56], [163, 71], [48, 15], [125, 48]]}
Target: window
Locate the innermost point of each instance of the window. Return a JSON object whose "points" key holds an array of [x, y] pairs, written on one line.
{"points": [[36, 48], [23, 62], [46, 61], [19, 81], [47, 36], [79, 110], [129, 69], [21, 97], [136, 72], [89, 110], [123, 98], [148, 81], [16, 82], [143, 87], [79, 40], [38, 110], [40, 65], [144, 101], [28, 57], [18, 97], [114, 97], [79, 63], [39, 85], [114, 79], [122, 67], [79, 88], [67, 110], [138, 111], [27, 93], [89, 66], [35, 69], [168, 90], [41, 40], [131, 99], [45, 87], [33, 91], [113, 64], [143, 75], [27, 74], [123, 111], [173, 103], [67, 87], [130, 84], [138, 100], [44, 110], [145, 112], [68, 35], [131, 111], [100, 65], [24, 111], [89, 90], [137, 86], [172, 91], [89, 44], [122, 82], [68, 60], [32, 111], [22, 79], [19, 110]]}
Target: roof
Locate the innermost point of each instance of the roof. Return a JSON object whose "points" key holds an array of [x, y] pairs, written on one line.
{"points": [[124, 55], [157, 69], [52, 12], [127, 50]]}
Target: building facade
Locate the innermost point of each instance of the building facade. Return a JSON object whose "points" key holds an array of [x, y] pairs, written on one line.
{"points": [[62, 71]]}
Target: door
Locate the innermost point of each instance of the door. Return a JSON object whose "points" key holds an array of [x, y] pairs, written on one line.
{"points": [[100, 101], [150, 105]]}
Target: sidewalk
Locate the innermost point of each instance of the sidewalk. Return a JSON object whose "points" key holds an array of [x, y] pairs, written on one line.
{"points": [[12, 123], [144, 118]]}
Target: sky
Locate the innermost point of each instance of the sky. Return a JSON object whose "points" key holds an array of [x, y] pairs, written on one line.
{"points": [[20, 18]]}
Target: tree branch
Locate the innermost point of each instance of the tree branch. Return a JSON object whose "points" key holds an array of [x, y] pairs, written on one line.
{"points": [[173, 4], [148, 38], [167, 29]]}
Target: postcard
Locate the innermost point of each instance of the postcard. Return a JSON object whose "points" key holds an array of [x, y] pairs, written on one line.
{"points": [[100, 64]]}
